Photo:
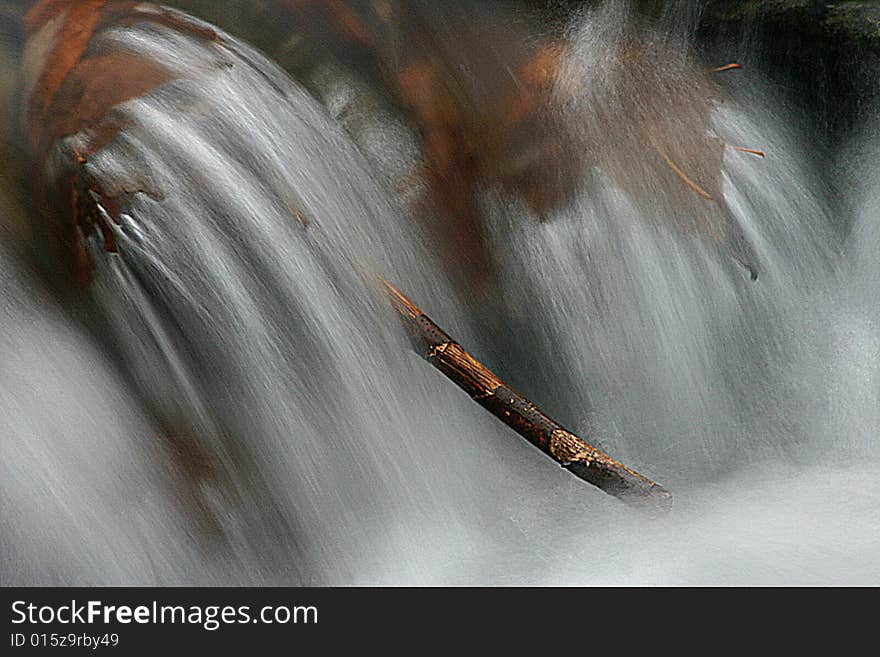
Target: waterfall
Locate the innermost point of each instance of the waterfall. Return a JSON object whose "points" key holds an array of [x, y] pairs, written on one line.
{"points": [[241, 406]]}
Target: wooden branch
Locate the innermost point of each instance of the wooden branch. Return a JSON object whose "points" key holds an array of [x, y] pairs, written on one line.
{"points": [[517, 412]]}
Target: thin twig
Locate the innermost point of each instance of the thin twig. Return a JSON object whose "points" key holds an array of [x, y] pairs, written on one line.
{"points": [[573, 453], [753, 151], [726, 67], [684, 178]]}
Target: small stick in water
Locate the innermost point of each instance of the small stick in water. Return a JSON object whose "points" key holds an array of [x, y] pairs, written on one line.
{"points": [[573, 453], [753, 151], [727, 67], [683, 176]]}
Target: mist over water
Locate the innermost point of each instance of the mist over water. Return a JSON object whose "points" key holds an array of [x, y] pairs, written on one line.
{"points": [[243, 408]]}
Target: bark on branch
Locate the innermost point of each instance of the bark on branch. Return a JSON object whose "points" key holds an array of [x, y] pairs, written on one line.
{"points": [[573, 453]]}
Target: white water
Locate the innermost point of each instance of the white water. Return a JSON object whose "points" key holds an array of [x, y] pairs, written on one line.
{"points": [[338, 457]]}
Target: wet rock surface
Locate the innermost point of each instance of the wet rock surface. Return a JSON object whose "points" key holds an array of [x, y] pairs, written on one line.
{"points": [[826, 54]]}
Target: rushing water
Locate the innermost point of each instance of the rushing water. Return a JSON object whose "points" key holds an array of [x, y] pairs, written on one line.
{"points": [[242, 408]]}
